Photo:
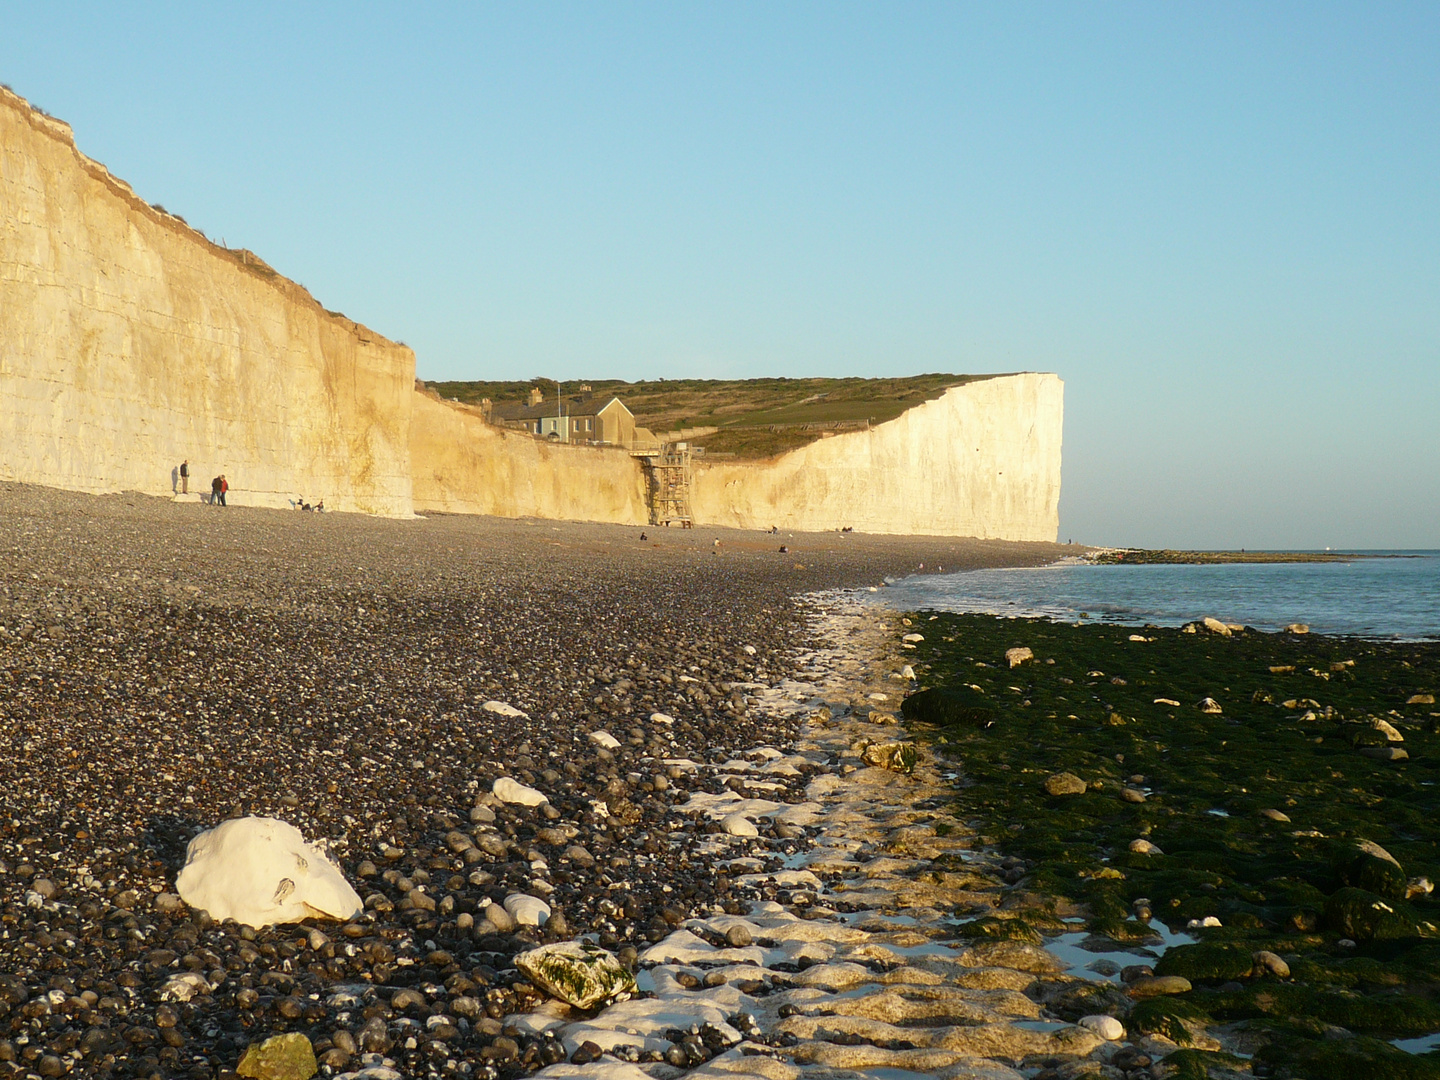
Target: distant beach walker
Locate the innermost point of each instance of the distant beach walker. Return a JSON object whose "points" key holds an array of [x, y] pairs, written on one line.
{"points": [[1370, 594]]}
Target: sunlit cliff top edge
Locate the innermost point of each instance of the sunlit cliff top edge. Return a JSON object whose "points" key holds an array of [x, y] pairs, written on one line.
{"points": [[63, 133]]}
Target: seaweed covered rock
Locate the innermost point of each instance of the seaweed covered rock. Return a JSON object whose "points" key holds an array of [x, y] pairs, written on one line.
{"points": [[281, 1057], [946, 706], [1087, 998], [999, 929], [896, 756], [578, 973], [1366, 916], [1193, 1064], [1206, 962], [1148, 986], [1391, 1015], [1174, 1018], [1064, 783], [1357, 1058], [1366, 865]]}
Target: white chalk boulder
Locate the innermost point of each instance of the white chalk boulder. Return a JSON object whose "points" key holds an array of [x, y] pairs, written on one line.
{"points": [[512, 791], [605, 739], [259, 871]]}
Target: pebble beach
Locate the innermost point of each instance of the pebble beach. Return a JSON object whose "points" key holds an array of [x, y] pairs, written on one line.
{"points": [[169, 666]]}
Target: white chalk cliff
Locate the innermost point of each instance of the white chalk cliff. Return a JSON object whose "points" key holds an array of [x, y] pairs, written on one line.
{"points": [[129, 342]]}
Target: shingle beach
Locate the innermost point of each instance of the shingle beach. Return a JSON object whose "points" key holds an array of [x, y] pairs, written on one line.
{"points": [[166, 667]]}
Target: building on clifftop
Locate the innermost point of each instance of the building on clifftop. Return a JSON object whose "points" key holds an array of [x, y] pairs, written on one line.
{"points": [[590, 420]]}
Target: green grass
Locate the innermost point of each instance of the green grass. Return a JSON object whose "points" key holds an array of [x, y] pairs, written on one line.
{"points": [[756, 417]]}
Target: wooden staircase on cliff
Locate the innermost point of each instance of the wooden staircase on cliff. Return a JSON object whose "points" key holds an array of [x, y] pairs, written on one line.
{"points": [[668, 472]]}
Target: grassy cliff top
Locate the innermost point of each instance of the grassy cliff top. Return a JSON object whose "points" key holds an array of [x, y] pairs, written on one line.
{"points": [[756, 417]]}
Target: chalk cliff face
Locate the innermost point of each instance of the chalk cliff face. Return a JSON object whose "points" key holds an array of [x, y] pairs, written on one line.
{"points": [[463, 465], [129, 342], [981, 460]]}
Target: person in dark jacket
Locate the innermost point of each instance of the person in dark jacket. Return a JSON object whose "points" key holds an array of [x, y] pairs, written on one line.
{"points": [[185, 477]]}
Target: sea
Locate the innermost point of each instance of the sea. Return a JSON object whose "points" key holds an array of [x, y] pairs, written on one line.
{"points": [[1380, 595]]}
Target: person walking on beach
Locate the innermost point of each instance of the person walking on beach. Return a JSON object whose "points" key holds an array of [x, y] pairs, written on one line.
{"points": [[218, 487], [185, 477]]}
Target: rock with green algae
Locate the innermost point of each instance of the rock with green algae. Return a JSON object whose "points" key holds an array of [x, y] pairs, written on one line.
{"points": [[1355, 1058], [946, 706], [578, 973], [1365, 916], [1364, 864], [280, 1057], [1191, 1064], [896, 756], [1064, 783], [990, 926], [1207, 962], [1175, 1018]]}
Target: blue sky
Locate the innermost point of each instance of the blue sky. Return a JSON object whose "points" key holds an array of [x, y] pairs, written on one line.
{"points": [[1219, 223]]}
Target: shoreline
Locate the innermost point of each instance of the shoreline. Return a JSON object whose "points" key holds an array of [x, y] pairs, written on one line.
{"points": [[1108, 556], [856, 952], [1386, 599]]}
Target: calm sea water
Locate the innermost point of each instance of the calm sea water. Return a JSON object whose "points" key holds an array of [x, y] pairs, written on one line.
{"points": [[1386, 598]]}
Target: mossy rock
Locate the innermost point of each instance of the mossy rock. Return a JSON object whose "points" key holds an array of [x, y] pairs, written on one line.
{"points": [[1107, 902], [1390, 1015], [991, 928], [1363, 735], [946, 707], [1365, 865], [280, 1057], [1166, 1016], [1197, 1064], [1365, 916], [1206, 962], [1090, 999], [1125, 931], [578, 973], [1358, 1058], [898, 757]]}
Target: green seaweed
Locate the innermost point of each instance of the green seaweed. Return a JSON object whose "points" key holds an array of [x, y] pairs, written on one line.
{"points": [[1196, 1064], [1364, 870], [1206, 962], [1391, 1015], [1364, 916], [1166, 1016], [1293, 1056], [1258, 811], [947, 707], [992, 928]]}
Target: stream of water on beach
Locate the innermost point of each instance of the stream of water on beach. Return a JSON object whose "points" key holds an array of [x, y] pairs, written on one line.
{"points": [[1384, 598]]}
